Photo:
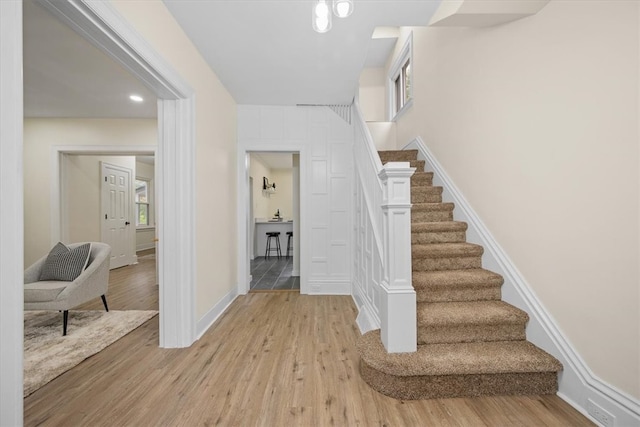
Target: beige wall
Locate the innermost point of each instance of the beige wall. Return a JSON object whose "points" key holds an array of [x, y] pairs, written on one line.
{"points": [[371, 96], [40, 135], [215, 130], [283, 198], [536, 121], [82, 195], [258, 170]]}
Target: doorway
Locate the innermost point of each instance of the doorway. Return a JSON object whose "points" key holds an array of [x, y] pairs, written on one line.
{"points": [[274, 201]]}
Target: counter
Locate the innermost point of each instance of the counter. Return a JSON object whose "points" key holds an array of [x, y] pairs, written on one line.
{"points": [[262, 227]]}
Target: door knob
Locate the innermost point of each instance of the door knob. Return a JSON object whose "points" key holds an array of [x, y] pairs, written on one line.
{"points": [[127, 223]]}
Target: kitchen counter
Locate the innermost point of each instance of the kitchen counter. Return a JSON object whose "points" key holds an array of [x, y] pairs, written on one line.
{"points": [[263, 226]]}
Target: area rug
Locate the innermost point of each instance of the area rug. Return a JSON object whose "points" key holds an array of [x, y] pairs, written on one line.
{"points": [[47, 354]]}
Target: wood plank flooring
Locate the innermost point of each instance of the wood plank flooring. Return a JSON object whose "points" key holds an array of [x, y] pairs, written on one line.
{"points": [[272, 359]]}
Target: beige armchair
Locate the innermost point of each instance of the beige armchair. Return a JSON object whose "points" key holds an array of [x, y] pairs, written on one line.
{"points": [[63, 296]]}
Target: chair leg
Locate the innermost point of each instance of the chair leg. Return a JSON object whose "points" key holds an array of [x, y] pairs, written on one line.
{"points": [[104, 301], [65, 318]]}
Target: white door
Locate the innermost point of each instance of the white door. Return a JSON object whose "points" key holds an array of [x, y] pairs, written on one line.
{"points": [[116, 213]]}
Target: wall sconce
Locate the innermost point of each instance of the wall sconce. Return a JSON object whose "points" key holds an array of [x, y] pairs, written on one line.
{"points": [[267, 188]]}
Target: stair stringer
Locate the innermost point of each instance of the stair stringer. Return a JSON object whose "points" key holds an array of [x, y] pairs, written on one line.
{"points": [[577, 383]]}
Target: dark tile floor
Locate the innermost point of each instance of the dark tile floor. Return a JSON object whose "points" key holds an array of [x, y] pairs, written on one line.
{"points": [[273, 274]]}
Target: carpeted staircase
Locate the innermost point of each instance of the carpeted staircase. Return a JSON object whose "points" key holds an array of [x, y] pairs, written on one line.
{"points": [[470, 343]]}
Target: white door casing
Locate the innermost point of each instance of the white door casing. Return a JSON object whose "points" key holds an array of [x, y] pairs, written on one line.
{"points": [[116, 213]]}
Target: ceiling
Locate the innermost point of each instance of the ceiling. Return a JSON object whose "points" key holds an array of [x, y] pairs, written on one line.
{"points": [[263, 51], [66, 76]]}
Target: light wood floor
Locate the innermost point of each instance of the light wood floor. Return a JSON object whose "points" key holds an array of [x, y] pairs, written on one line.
{"points": [[273, 359]]}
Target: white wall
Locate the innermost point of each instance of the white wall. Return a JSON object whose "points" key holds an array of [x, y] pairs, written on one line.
{"points": [[324, 141], [536, 121], [215, 133], [40, 136]]}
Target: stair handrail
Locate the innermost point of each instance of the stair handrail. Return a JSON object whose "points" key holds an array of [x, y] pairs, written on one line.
{"points": [[368, 167]]}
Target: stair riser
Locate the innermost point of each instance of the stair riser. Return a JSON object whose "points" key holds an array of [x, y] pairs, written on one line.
{"points": [[431, 216], [455, 263], [423, 238], [470, 333], [448, 386], [426, 198], [422, 180], [437, 294]]}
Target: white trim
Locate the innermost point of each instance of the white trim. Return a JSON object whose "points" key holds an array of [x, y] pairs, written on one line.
{"points": [[329, 287], [216, 311], [11, 216], [577, 382], [101, 24], [394, 71]]}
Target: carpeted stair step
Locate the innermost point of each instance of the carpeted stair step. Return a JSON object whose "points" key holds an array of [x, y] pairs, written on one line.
{"points": [[457, 285], [398, 155], [446, 256], [458, 370], [431, 212], [438, 232], [471, 321], [419, 179], [426, 194]]}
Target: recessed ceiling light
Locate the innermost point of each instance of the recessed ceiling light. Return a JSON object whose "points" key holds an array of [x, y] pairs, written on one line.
{"points": [[136, 98]]}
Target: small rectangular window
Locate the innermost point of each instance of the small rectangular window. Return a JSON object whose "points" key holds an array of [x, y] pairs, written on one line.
{"points": [[401, 81], [142, 203]]}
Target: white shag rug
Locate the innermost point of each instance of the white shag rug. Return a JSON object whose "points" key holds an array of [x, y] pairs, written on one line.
{"points": [[47, 354]]}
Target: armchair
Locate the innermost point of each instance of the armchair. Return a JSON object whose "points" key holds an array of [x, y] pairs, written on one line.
{"points": [[63, 296]]}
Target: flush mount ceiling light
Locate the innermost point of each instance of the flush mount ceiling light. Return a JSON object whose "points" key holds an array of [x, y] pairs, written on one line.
{"points": [[136, 98], [321, 14], [342, 8]]}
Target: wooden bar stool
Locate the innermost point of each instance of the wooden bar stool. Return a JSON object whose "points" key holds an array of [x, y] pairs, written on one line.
{"points": [[273, 235], [289, 245]]}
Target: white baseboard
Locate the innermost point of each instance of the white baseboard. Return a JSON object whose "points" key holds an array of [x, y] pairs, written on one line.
{"points": [[145, 246], [216, 311], [329, 287], [577, 383], [366, 319]]}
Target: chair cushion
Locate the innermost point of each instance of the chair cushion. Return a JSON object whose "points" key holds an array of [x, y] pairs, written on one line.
{"points": [[65, 264], [43, 291]]}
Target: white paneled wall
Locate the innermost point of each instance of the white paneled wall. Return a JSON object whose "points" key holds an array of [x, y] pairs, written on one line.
{"points": [[325, 143]]}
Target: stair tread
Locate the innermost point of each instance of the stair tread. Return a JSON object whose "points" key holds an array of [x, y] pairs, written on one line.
{"points": [[457, 359], [438, 226], [468, 277], [469, 312], [445, 250], [400, 154]]}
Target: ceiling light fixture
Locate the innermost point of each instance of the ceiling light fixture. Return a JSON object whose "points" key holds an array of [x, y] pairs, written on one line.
{"points": [[342, 8], [136, 98], [321, 14]]}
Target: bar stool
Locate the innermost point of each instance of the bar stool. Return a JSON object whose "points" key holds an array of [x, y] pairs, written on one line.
{"points": [[273, 235], [289, 245]]}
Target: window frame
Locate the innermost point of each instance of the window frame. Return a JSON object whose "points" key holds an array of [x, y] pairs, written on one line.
{"points": [[399, 100], [148, 203]]}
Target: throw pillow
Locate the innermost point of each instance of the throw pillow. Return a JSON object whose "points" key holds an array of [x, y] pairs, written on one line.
{"points": [[65, 264]]}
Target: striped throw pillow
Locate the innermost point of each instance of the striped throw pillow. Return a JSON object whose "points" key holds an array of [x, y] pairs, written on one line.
{"points": [[65, 264]]}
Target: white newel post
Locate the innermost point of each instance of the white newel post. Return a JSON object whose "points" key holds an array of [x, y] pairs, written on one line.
{"points": [[398, 312]]}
